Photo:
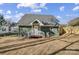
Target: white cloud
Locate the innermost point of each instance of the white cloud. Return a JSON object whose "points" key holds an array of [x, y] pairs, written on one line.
{"points": [[13, 18], [76, 3], [24, 5], [36, 10], [35, 7], [1, 3], [69, 15], [75, 8], [1, 11], [62, 8], [59, 17], [32, 5], [40, 6], [16, 11], [8, 12], [7, 16], [72, 15], [43, 5], [18, 16]]}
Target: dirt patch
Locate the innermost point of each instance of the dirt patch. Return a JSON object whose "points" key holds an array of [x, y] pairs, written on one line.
{"points": [[74, 46], [68, 53]]}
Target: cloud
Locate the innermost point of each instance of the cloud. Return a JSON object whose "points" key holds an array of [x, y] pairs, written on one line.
{"points": [[8, 12], [72, 15], [18, 16], [69, 15], [76, 3], [59, 17], [32, 5], [1, 11], [7, 16], [36, 10], [16, 11], [24, 5], [1, 3], [61, 8], [13, 18], [43, 5], [75, 8]]}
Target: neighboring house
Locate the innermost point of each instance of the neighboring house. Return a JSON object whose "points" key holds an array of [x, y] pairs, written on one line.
{"points": [[7, 27], [14, 29], [6, 30], [38, 25], [3, 29]]}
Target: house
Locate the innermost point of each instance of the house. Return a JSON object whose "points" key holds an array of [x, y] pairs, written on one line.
{"points": [[7, 27], [38, 25], [6, 30], [3, 29]]}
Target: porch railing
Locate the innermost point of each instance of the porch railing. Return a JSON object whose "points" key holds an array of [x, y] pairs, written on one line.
{"points": [[36, 33]]}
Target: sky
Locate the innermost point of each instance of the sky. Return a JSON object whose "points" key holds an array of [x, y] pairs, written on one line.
{"points": [[64, 12]]}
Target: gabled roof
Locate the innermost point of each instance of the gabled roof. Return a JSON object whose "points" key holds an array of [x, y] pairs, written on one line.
{"points": [[37, 21], [29, 18]]}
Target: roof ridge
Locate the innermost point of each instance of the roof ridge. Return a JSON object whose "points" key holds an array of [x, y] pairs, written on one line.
{"points": [[39, 14]]}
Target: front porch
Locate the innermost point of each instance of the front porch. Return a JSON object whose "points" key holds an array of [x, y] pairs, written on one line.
{"points": [[42, 31]]}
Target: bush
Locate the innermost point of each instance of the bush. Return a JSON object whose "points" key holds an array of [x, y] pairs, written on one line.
{"points": [[74, 22], [61, 30]]}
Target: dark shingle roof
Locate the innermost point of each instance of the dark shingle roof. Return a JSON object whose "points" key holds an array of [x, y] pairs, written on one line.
{"points": [[45, 19]]}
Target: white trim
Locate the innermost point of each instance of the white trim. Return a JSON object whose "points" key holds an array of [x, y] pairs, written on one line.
{"points": [[37, 21]]}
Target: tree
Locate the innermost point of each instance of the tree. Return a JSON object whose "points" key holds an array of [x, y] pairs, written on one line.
{"points": [[2, 20], [10, 24], [74, 22], [61, 30], [13, 24]]}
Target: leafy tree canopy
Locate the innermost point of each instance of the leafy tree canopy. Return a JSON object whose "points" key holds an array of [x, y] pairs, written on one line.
{"points": [[2, 20]]}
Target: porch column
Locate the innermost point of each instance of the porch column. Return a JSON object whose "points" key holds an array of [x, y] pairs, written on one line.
{"points": [[19, 32]]}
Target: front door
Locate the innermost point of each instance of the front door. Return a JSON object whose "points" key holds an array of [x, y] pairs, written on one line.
{"points": [[35, 25], [35, 28]]}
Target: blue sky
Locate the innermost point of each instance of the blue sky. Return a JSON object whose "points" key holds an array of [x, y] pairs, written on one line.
{"points": [[63, 11]]}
